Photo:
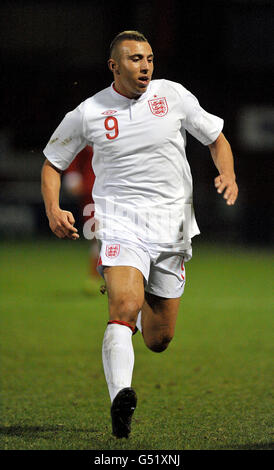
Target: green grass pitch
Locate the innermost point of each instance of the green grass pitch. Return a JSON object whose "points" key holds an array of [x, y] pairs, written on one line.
{"points": [[211, 389]]}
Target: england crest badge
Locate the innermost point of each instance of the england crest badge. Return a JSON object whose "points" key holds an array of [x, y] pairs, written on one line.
{"points": [[112, 251], [158, 106]]}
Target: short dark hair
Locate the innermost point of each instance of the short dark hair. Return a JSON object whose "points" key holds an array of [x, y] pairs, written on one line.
{"points": [[126, 35]]}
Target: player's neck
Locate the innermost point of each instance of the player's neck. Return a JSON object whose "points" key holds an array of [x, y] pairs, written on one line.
{"points": [[121, 91]]}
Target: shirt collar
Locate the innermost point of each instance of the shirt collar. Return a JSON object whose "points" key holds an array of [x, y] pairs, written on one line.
{"points": [[124, 98]]}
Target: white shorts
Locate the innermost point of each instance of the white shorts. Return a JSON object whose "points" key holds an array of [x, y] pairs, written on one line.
{"points": [[164, 272]]}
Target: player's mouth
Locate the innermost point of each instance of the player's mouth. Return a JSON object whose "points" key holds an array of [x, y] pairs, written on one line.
{"points": [[143, 80]]}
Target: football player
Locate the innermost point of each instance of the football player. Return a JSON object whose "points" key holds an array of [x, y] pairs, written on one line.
{"points": [[143, 201]]}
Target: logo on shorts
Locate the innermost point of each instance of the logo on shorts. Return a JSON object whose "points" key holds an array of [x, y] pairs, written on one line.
{"points": [[158, 107], [112, 251]]}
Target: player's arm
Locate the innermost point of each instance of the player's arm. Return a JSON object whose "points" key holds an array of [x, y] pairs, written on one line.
{"points": [[61, 222], [223, 159]]}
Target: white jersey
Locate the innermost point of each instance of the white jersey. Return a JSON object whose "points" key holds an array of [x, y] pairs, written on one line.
{"points": [[143, 185]]}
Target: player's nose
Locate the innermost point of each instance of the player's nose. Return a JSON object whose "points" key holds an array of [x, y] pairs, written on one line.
{"points": [[144, 66]]}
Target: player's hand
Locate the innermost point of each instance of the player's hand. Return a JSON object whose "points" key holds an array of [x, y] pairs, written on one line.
{"points": [[62, 224], [229, 186]]}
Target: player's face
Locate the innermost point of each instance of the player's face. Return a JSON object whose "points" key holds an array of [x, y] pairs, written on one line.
{"points": [[133, 68]]}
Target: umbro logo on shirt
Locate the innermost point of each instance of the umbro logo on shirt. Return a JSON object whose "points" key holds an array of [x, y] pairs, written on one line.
{"points": [[109, 112]]}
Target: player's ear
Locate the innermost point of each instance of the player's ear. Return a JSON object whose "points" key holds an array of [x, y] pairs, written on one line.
{"points": [[111, 65]]}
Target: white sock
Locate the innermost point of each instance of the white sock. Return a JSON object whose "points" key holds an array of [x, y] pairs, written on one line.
{"points": [[138, 322], [118, 357]]}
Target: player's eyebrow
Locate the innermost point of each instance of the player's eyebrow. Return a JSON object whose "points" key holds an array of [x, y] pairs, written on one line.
{"points": [[140, 56]]}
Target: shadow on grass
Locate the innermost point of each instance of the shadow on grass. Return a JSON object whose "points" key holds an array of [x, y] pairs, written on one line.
{"points": [[86, 438], [29, 431]]}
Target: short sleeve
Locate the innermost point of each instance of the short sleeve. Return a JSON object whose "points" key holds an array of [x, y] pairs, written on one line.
{"points": [[202, 125], [67, 140]]}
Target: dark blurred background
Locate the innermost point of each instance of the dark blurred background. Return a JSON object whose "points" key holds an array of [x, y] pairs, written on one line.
{"points": [[54, 56]]}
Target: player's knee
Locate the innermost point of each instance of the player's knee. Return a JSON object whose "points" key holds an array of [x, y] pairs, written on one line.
{"points": [[159, 344], [126, 309]]}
